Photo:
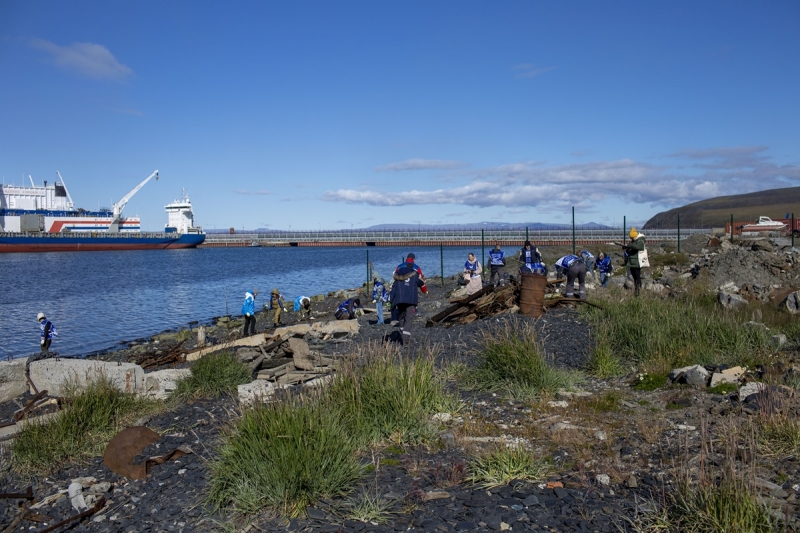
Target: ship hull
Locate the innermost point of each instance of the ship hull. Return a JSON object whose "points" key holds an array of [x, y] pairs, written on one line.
{"points": [[55, 242]]}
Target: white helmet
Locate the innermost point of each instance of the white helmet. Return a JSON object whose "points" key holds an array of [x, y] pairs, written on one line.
{"points": [[40, 316]]}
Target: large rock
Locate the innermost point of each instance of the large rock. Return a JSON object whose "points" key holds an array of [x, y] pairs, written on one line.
{"points": [[160, 383], [792, 302], [691, 375], [12, 379], [258, 391], [729, 375], [730, 300], [336, 326], [54, 374]]}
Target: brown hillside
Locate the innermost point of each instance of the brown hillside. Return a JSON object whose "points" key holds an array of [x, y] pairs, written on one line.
{"points": [[715, 212]]}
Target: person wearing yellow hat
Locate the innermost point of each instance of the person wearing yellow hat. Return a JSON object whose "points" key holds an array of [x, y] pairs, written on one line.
{"points": [[636, 255], [276, 305]]}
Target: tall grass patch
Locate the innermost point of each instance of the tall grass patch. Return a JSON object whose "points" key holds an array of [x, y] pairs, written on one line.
{"points": [[512, 361], [505, 464], [284, 455], [383, 394], [661, 334], [212, 376], [93, 415]]}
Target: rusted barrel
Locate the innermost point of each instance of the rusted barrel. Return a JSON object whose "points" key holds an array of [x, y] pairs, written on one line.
{"points": [[531, 295]]}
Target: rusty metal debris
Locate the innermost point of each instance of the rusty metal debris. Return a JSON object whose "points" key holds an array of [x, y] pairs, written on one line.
{"points": [[101, 502], [128, 444], [174, 355], [27, 495], [19, 415]]}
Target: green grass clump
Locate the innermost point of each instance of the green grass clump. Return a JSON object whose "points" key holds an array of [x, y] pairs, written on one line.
{"points": [[723, 388], [92, 417], [778, 435], [513, 363], [710, 508], [604, 363], [507, 464], [608, 402], [390, 396], [661, 334], [212, 376], [650, 382], [284, 455]]}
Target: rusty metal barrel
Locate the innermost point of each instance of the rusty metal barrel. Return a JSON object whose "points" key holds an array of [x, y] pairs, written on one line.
{"points": [[531, 295]]}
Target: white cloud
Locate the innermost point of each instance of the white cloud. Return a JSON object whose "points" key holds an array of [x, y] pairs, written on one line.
{"points": [[90, 59], [532, 184], [420, 164]]}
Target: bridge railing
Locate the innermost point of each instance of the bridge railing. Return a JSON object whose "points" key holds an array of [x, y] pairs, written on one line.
{"points": [[449, 236]]}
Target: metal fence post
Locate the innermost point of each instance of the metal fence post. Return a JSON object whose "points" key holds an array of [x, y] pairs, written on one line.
{"points": [[527, 238], [679, 234], [792, 230], [624, 228], [368, 273], [731, 227], [573, 230], [441, 260], [483, 250]]}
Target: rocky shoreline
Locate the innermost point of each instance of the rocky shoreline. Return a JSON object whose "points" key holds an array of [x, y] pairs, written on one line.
{"points": [[615, 450]]}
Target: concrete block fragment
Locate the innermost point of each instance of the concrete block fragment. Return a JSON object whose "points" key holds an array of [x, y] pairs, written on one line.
{"points": [[336, 326], [301, 354], [54, 374], [691, 375], [779, 340], [12, 379], [730, 375], [258, 391], [161, 383]]}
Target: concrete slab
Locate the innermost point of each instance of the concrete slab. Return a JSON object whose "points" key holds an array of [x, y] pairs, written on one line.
{"points": [[252, 340], [161, 383], [258, 391], [54, 374], [12, 379]]}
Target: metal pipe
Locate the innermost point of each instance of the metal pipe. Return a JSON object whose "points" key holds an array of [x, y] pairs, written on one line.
{"points": [[731, 227], [679, 233]]}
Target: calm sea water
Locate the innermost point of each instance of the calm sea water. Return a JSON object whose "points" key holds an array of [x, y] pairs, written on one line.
{"points": [[99, 299]]}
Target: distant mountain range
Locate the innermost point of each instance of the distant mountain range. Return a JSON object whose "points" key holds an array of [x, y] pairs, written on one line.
{"points": [[443, 227], [715, 212]]}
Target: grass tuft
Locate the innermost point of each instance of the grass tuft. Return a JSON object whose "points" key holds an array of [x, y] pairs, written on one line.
{"points": [[603, 363], [388, 396], [92, 417], [661, 334], [513, 363], [284, 455], [212, 376], [504, 465]]}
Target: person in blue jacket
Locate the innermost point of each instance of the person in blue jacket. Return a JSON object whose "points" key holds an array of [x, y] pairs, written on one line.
{"points": [[589, 261], [531, 260], [574, 267], [604, 267], [496, 264], [379, 297], [249, 312], [48, 331], [302, 306], [405, 298], [347, 309]]}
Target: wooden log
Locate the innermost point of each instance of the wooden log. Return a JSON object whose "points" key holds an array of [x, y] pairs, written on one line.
{"points": [[442, 315]]}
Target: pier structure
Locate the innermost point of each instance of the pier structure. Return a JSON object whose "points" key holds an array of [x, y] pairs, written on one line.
{"points": [[504, 237]]}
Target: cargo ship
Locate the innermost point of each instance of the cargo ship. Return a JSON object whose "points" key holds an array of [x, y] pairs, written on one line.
{"points": [[44, 219]]}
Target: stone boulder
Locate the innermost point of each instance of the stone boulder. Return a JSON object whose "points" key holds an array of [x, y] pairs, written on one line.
{"points": [[12, 379], [54, 374], [161, 383], [691, 375], [729, 375], [301, 354], [730, 300], [792, 302]]}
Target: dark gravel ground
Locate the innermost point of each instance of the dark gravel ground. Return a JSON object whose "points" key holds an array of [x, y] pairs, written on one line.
{"points": [[170, 499]]}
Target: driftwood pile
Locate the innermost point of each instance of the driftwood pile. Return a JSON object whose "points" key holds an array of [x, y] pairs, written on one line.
{"points": [[493, 301], [288, 361]]}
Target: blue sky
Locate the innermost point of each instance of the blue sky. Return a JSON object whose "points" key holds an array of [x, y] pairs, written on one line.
{"points": [[323, 115]]}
